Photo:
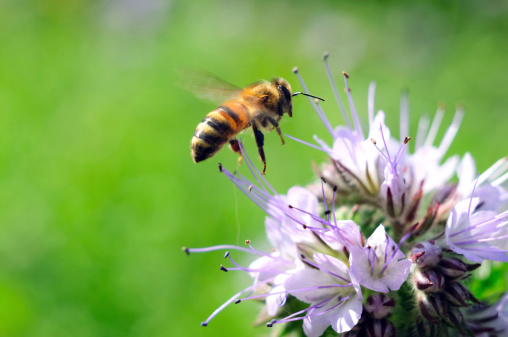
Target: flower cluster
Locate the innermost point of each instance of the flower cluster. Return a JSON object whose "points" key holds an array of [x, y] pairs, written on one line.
{"points": [[383, 244]]}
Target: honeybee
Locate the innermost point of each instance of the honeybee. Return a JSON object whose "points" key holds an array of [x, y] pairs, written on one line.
{"points": [[261, 106]]}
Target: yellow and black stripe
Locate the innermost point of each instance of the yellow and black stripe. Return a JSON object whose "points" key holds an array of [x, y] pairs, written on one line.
{"points": [[217, 128]]}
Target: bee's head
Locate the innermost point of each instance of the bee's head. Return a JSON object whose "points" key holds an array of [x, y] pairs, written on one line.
{"points": [[285, 96]]}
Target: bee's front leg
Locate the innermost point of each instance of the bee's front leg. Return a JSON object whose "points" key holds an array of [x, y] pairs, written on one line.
{"points": [[276, 126], [260, 140], [234, 145]]}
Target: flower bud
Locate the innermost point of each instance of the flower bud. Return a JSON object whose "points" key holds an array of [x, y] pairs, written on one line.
{"points": [[379, 305], [429, 281], [455, 319], [426, 254], [358, 330], [380, 328], [426, 328], [452, 268], [431, 307], [426, 222], [458, 295]]}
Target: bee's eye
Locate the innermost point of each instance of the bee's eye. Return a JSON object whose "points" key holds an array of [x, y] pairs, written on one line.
{"points": [[285, 91]]}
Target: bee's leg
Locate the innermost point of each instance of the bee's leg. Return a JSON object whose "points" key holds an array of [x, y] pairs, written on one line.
{"points": [[260, 139], [235, 147], [276, 126]]}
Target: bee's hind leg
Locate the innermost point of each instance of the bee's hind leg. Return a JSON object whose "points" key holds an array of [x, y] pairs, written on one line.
{"points": [[260, 140], [276, 126], [235, 147]]}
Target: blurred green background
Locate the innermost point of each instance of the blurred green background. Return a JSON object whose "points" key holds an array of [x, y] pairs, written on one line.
{"points": [[98, 192]]}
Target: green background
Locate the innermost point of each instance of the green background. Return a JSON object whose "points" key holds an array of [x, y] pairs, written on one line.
{"points": [[98, 192]]}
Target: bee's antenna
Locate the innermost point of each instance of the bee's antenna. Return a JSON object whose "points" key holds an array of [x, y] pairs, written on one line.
{"points": [[302, 93]]}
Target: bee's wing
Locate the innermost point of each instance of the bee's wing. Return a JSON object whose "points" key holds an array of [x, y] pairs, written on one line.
{"points": [[207, 86]]}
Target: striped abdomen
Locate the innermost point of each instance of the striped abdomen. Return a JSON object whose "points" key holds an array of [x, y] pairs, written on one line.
{"points": [[218, 127]]}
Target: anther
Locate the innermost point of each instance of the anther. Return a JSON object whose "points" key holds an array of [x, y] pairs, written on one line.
{"points": [[373, 141], [323, 179], [204, 324], [345, 74], [290, 206], [220, 167], [295, 70], [416, 256], [186, 250], [406, 140], [226, 255], [304, 226], [327, 212], [223, 268], [325, 55], [250, 188], [237, 301], [335, 188], [247, 242], [270, 324], [302, 256]]}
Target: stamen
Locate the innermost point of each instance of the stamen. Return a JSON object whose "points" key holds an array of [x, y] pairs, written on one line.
{"points": [[313, 216], [233, 298], [255, 198], [333, 205], [327, 213], [320, 114], [370, 102], [404, 115], [423, 126], [354, 115], [336, 92], [381, 152], [434, 128], [308, 144], [251, 166], [325, 270], [292, 317], [483, 240], [495, 172], [384, 142], [323, 118], [293, 291], [404, 238], [255, 251], [452, 131], [219, 247]]}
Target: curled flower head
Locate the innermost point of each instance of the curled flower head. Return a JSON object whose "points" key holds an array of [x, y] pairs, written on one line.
{"points": [[384, 220]]}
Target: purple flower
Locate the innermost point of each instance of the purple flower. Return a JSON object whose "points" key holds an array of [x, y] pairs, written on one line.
{"points": [[490, 186], [377, 169], [334, 296], [320, 255], [380, 265], [478, 235]]}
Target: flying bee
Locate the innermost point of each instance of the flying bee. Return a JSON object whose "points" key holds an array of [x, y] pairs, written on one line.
{"points": [[261, 106]]}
